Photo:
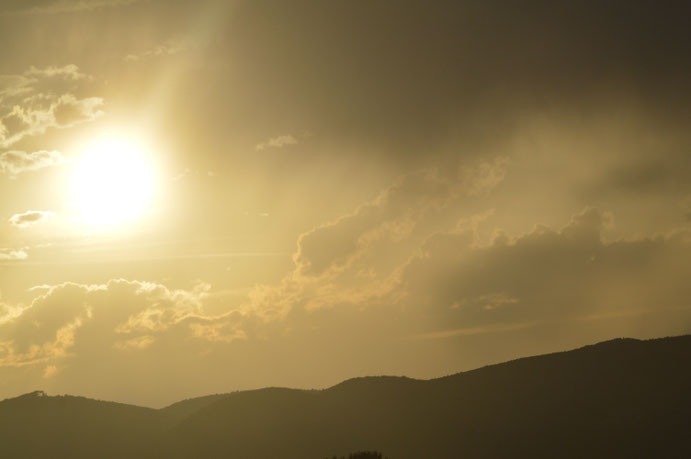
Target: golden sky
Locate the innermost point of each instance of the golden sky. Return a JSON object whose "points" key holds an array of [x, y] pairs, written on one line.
{"points": [[207, 196]]}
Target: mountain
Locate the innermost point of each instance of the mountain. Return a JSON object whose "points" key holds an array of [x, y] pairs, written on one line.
{"points": [[620, 398], [178, 411], [36, 425]]}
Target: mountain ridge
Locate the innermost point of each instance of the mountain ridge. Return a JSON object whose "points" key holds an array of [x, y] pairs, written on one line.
{"points": [[42, 393], [621, 397]]}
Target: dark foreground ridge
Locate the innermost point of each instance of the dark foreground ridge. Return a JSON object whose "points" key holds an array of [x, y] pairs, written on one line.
{"points": [[620, 398]]}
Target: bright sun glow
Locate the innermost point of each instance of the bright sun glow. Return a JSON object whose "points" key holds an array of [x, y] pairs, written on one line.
{"points": [[114, 183]]}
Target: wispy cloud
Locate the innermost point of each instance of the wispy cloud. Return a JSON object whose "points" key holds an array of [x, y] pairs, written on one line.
{"points": [[16, 162], [170, 48], [14, 86], [30, 218], [277, 142], [63, 112], [69, 71], [12, 254], [73, 6]]}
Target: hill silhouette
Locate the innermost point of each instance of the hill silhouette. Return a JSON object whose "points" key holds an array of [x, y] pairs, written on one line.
{"points": [[620, 398]]}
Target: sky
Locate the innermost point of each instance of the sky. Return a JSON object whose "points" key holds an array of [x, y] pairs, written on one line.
{"points": [[209, 196]]}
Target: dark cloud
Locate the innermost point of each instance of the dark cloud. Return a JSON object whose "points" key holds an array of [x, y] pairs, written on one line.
{"points": [[549, 275], [662, 175], [408, 74]]}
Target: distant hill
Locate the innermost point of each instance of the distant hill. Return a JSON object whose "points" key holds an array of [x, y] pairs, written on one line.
{"points": [[178, 411], [35, 425], [620, 398]]}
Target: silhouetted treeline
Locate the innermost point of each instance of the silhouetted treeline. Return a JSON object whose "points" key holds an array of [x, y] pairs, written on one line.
{"points": [[362, 455]]}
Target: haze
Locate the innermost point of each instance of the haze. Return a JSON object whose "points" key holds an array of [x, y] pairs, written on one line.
{"points": [[293, 193]]}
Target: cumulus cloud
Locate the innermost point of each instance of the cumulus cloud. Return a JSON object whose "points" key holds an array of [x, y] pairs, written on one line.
{"points": [[400, 216], [16, 162], [450, 293], [397, 252], [356, 259], [96, 336], [120, 314], [277, 142], [30, 218], [392, 214]]}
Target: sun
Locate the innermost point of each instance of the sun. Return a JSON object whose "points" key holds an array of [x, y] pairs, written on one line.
{"points": [[114, 182]]}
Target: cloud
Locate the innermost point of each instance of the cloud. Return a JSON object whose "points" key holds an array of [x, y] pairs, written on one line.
{"points": [[8, 312], [12, 254], [172, 47], [16, 162], [69, 72], [446, 293], [50, 371], [187, 173], [548, 275], [461, 84], [400, 214], [69, 111], [685, 206], [99, 335], [277, 142], [73, 6], [63, 112], [406, 273], [120, 314], [484, 176], [356, 259], [157, 51], [39, 84], [30, 218], [588, 111], [392, 214], [14, 85], [397, 252], [43, 98]]}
